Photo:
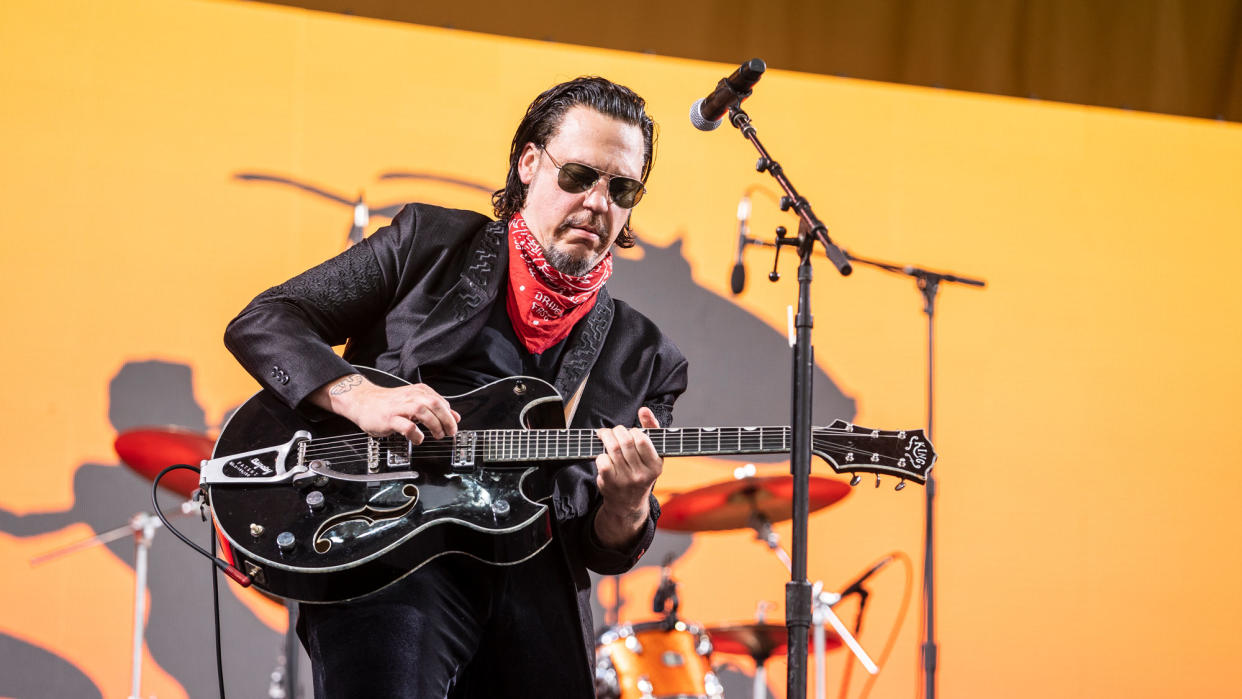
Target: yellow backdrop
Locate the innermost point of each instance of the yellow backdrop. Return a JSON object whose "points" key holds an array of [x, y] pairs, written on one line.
{"points": [[1087, 517]]}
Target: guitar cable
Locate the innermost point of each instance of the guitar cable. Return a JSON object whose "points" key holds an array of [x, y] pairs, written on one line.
{"points": [[233, 573]]}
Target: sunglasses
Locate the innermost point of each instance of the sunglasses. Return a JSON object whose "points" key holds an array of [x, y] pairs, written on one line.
{"points": [[576, 178]]}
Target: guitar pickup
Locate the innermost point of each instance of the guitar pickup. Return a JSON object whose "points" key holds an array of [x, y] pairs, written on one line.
{"points": [[463, 452]]}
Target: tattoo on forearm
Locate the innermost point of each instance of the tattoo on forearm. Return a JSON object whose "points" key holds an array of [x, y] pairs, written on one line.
{"points": [[345, 384]]}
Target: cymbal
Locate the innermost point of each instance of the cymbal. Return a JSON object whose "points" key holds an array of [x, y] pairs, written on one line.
{"points": [[731, 504], [149, 450], [759, 641]]}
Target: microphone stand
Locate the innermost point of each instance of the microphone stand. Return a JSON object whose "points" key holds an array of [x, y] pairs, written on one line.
{"points": [[798, 593], [929, 284]]}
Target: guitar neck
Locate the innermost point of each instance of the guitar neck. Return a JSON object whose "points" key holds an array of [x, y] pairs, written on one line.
{"points": [[554, 445]]}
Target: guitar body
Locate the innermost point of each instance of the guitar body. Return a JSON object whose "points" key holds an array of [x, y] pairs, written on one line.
{"points": [[355, 525]]}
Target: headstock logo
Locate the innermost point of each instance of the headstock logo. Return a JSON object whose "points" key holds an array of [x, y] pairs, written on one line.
{"points": [[916, 450]]}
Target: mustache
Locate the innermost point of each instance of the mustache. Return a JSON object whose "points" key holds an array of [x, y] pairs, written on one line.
{"points": [[595, 224]]}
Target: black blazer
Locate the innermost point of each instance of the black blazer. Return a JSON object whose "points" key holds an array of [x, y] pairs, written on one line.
{"points": [[417, 292]]}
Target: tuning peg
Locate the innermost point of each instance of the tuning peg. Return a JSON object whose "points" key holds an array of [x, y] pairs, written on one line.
{"points": [[901, 485], [855, 480]]}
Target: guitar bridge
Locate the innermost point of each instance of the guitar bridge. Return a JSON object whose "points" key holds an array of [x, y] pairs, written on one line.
{"points": [[463, 452]]}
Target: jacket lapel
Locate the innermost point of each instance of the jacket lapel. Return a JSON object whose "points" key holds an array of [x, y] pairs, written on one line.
{"points": [[585, 342], [457, 316]]}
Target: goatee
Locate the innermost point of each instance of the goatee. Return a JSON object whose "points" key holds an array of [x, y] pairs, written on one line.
{"points": [[565, 263]]}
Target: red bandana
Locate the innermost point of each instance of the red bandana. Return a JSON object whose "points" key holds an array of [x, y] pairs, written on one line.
{"points": [[544, 304]]}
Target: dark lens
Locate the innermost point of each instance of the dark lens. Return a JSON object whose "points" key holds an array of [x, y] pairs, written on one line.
{"points": [[575, 177], [625, 191]]}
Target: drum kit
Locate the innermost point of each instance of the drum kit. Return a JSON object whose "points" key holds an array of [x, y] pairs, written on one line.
{"points": [[673, 658], [666, 657]]}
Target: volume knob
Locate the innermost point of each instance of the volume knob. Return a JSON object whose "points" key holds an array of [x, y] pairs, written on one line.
{"points": [[314, 500]]}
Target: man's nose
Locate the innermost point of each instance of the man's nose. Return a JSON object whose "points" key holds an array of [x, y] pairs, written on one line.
{"points": [[597, 195]]}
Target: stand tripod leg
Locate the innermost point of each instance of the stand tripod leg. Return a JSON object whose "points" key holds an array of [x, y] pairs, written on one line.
{"points": [[144, 530], [291, 652], [821, 678]]}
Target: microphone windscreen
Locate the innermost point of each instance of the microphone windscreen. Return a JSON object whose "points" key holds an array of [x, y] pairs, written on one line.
{"points": [[699, 121]]}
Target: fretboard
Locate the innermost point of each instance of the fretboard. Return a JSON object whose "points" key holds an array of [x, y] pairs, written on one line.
{"points": [[552, 445]]}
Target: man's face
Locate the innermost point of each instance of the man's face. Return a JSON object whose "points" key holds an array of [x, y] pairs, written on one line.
{"points": [[576, 230]]}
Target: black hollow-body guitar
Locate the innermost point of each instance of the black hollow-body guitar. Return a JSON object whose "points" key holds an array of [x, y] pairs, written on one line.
{"points": [[317, 511]]}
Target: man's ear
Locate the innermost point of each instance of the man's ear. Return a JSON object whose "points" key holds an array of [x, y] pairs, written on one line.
{"points": [[528, 163]]}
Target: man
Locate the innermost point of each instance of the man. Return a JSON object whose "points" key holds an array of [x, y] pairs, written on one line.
{"points": [[450, 301]]}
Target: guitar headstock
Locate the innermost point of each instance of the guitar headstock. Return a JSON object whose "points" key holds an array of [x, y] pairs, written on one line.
{"points": [[848, 448]]}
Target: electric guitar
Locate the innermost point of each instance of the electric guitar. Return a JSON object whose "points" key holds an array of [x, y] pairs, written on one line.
{"points": [[318, 511]]}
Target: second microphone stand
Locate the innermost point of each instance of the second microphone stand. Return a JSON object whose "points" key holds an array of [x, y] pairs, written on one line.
{"points": [[929, 284]]}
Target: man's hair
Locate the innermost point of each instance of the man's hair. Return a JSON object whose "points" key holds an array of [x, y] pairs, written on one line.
{"points": [[543, 120]]}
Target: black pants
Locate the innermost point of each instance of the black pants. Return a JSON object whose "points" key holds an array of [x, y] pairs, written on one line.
{"points": [[453, 628]]}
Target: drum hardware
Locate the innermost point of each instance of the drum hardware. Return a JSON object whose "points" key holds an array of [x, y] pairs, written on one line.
{"points": [[142, 526], [147, 451], [755, 502], [665, 600]]}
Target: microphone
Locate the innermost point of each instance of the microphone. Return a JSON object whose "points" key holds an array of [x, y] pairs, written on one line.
{"points": [[707, 113], [856, 586], [737, 280], [666, 592]]}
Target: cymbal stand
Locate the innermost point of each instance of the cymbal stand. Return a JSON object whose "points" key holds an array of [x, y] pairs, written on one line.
{"points": [[821, 606], [143, 526], [284, 683]]}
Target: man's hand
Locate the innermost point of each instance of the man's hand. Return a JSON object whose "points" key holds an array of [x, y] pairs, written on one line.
{"points": [[628, 469], [382, 411]]}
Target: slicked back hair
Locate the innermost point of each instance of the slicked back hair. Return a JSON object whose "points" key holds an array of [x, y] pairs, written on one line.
{"points": [[543, 121]]}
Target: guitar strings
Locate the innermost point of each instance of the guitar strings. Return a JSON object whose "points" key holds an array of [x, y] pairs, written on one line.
{"points": [[339, 449], [748, 433], [523, 440]]}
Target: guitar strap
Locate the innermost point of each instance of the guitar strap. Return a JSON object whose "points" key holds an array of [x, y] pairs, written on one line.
{"points": [[572, 406]]}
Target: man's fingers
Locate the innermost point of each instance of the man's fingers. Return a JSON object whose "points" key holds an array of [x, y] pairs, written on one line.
{"points": [[626, 445], [407, 429], [646, 418], [437, 423]]}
